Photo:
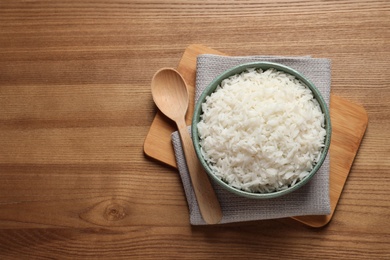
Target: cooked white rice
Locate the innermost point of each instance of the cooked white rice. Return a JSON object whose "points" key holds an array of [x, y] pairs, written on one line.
{"points": [[261, 131]]}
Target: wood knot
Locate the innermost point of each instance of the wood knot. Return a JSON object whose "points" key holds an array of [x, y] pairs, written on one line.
{"points": [[112, 212]]}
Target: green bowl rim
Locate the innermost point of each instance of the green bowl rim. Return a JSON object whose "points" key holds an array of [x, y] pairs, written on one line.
{"points": [[260, 65]]}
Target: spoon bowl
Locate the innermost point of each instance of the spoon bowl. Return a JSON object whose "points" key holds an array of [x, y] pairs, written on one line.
{"points": [[170, 93]]}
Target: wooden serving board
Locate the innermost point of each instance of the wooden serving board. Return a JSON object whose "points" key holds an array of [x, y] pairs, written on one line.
{"points": [[349, 122]]}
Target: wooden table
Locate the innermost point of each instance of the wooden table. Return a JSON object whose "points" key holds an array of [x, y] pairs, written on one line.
{"points": [[75, 107]]}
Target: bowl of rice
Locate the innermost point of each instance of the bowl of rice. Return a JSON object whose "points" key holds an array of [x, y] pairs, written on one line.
{"points": [[261, 130]]}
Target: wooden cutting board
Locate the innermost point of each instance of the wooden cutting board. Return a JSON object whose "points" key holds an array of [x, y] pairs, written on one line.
{"points": [[349, 123]]}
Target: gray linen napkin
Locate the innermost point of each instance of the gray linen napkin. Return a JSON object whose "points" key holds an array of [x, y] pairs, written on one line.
{"points": [[311, 199]]}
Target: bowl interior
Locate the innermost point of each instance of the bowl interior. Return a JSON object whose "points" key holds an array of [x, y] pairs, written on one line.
{"points": [[260, 65]]}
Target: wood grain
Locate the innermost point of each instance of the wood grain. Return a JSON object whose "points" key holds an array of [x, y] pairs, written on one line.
{"points": [[75, 107]]}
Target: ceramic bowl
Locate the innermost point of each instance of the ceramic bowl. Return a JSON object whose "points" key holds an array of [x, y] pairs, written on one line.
{"points": [[236, 70]]}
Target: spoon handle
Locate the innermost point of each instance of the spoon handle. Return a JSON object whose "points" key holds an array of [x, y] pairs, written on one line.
{"points": [[204, 192]]}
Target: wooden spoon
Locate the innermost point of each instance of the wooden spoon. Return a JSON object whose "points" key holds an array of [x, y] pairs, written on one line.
{"points": [[170, 94]]}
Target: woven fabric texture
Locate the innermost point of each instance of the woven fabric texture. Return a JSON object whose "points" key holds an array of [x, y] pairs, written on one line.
{"points": [[311, 199]]}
